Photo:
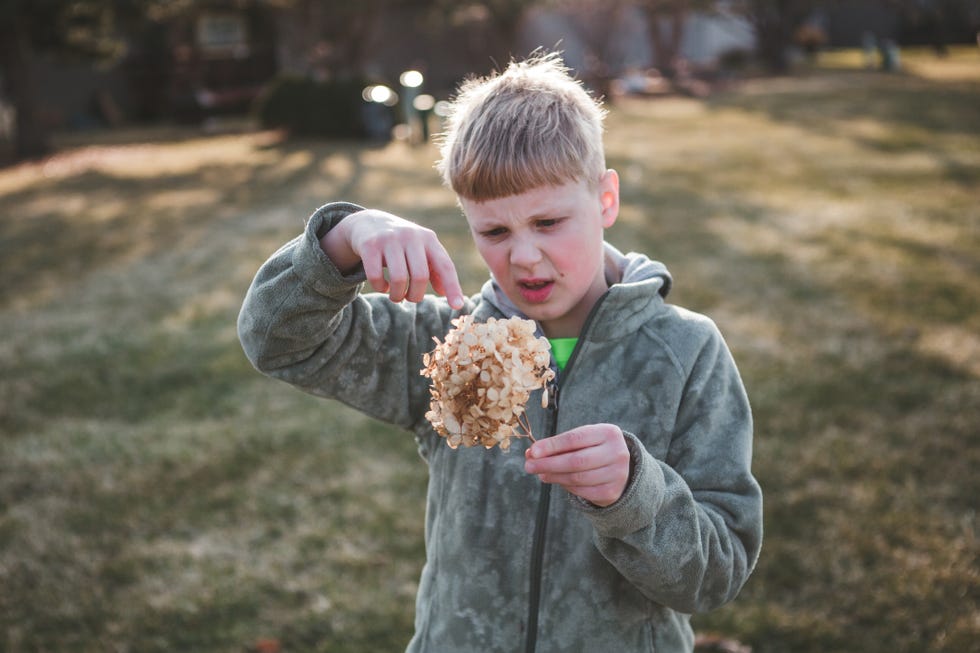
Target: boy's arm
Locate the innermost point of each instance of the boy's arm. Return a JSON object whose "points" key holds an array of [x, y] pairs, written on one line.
{"points": [[687, 531], [304, 322]]}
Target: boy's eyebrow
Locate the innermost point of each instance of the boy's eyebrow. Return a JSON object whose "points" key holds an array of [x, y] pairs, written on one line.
{"points": [[553, 214], [541, 215]]}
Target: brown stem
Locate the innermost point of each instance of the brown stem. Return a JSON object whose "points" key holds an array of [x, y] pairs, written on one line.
{"points": [[524, 424]]}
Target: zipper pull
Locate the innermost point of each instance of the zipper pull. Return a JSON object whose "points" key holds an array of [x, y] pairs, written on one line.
{"points": [[549, 399]]}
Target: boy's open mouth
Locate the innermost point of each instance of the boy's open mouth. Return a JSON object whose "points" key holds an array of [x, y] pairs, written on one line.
{"points": [[535, 290]]}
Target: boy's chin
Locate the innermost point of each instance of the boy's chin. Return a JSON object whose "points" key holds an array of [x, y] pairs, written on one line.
{"points": [[542, 314]]}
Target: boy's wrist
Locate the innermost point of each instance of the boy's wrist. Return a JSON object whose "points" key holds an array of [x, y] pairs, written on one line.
{"points": [[640, 501], [335, 243]]}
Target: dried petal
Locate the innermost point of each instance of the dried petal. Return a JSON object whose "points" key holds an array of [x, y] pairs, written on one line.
{"points": [[482, 375]]}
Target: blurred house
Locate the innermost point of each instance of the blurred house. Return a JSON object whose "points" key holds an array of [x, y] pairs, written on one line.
{"points": [[220, 59], [707, 36], [210, 61], [216, 58]]}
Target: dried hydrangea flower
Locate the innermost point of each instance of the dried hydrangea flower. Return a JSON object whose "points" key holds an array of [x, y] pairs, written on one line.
{"points": [[482, 376]]}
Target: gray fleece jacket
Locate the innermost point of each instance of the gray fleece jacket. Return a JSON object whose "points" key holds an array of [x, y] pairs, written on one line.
{"points": [[513, 564]]}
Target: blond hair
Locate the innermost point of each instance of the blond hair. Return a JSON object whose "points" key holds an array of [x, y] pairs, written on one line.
{"points": [[529, 126]]}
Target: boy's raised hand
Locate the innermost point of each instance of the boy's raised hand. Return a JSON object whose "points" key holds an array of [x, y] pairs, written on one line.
{"points": [[411, 253], [590, 461]]}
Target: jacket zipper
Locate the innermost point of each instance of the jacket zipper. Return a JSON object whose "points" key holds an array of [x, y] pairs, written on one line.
{"points": [[537, 547], [544, 502]]}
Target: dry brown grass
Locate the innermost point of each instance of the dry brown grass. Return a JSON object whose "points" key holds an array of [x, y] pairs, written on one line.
{"points": [[156, 494]]}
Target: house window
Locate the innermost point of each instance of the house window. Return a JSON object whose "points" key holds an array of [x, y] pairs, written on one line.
{"points": [[222, 35]]}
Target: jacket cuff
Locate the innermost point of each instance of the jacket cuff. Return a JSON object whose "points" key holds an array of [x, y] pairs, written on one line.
{"points": [[310, 262], [641, 500]]}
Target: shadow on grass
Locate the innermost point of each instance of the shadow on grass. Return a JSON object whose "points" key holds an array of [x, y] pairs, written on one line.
{"points": [[214, 538], [911, 114], [63, 228], [902, 100]]}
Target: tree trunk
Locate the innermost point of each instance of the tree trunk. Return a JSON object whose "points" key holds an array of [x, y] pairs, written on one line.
{"points": [[775, 23], [327, 40], [772, 43], [667, 46], [30, 135]]}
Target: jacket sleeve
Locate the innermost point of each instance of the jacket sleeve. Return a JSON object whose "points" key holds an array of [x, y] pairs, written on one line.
{"points": [[305, 323], [687, 531]]}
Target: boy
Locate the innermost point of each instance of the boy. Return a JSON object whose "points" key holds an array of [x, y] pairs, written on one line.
{"points": [[641, 507]]}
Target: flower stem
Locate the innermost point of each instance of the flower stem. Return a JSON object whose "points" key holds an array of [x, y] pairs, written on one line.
{"points": [[524, 424]]}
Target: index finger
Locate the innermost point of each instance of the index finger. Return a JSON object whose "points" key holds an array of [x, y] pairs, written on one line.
{"points": [[443, 276], [564, 442]]}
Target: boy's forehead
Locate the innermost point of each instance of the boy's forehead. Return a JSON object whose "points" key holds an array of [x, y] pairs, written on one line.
{"points": [[541, 201]]}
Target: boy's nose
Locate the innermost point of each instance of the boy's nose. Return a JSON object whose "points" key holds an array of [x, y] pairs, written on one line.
{"points": [[525, 253]]}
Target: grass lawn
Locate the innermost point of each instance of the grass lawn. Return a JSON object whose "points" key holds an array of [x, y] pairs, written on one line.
{"points": [[157, 494]]}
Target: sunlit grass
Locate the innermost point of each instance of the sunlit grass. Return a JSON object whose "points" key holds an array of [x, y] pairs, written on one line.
{"points": [[961, 63], [157, 494]]}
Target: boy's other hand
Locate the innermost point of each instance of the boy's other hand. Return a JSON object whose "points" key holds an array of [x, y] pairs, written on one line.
{"points": [[412, 255], [590, 461]]}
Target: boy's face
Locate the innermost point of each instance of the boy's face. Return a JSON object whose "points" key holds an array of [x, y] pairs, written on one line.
{"points": [[544, 247]]}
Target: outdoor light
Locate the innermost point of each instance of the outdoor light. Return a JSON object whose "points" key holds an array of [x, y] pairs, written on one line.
{"points": [[411, 78], [379, 93], [424, 102]]}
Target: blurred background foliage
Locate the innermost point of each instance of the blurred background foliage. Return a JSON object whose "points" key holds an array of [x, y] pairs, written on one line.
{"points": [[193, 59]]}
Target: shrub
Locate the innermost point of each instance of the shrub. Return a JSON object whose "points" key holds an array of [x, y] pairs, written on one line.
{"points": [[306, 107], [735, 59]]}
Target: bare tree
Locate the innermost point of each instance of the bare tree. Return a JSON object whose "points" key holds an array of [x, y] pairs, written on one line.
{"points": [[775, 22], [329, 39], [666, 20], [501, 18], [595, 22], [938, 22], [84, 28]]}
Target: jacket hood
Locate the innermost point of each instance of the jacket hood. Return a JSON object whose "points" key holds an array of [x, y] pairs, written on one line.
{"points": [[629, 273]]}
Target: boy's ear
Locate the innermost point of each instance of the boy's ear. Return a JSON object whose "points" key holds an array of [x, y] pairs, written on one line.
{"points": [[609, 197]]}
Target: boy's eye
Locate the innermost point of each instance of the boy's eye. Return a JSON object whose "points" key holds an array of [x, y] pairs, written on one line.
{"points": [[496, 232], [546, 223]]}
